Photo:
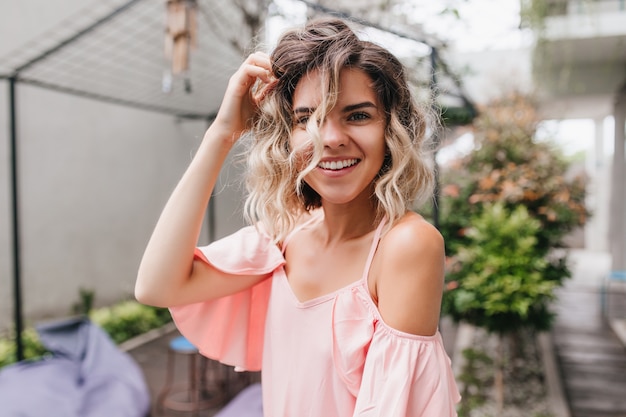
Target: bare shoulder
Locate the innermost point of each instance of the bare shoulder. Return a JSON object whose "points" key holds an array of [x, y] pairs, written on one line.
{"points": [[411, 236], [409, 276]]}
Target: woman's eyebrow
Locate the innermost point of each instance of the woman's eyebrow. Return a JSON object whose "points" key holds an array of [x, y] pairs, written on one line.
{"points": [[306, 110], [346, 109], [365, 104]]}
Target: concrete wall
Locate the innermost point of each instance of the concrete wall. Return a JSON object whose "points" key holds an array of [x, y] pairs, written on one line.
{"points": [[93, 178]]}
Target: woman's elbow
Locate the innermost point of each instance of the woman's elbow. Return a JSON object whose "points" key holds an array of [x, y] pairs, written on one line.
{"points": [[144, 296], [148, 294]]}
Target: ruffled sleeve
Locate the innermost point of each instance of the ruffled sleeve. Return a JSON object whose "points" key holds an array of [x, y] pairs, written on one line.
{"points": [[231, 329], [391, 373]]}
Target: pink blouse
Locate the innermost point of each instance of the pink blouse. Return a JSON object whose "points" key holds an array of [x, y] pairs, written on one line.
{"points": [[332, 356]]}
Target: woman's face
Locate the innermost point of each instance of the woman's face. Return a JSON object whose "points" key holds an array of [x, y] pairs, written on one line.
{"points": [[353, 136]]}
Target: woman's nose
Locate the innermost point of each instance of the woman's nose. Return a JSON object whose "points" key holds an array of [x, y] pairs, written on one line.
{"points": [[333, 134]]}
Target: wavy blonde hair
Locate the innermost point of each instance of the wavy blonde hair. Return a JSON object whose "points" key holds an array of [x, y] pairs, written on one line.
{"points": [[278, 195]]}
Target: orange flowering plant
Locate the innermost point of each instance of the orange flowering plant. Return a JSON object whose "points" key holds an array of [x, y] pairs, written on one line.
{"points": [[508, 167]]}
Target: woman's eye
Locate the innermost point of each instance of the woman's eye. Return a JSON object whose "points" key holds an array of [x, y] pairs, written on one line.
{"points": [[302, 120], [358, 116]]}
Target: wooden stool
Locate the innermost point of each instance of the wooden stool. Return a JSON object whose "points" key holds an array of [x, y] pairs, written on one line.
{"points": [[192, 395]]}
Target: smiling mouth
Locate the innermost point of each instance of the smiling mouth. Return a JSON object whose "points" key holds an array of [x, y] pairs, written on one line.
{"points": [[337, 165]]}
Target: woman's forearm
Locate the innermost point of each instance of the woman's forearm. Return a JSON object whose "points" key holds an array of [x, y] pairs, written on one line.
{"points": [[166, 272], [167, 262]]}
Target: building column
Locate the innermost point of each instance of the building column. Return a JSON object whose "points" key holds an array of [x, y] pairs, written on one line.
{"points": [[617, 220], [597, 201]]}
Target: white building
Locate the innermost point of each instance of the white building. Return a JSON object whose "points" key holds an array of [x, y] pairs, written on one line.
{"points": [[580, 72]]}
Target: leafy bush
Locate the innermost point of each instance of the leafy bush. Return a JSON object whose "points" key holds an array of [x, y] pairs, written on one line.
{"points": [[501, 277], [508, 169], [32, 347], [128, 319], [475, 378], [121, 321]]}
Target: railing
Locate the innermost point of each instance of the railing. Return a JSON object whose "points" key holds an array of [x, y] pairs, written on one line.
{"points": [[578, 7]]}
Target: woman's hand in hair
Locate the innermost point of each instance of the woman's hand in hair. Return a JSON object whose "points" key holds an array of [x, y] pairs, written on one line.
{"points": [[247, 87]]}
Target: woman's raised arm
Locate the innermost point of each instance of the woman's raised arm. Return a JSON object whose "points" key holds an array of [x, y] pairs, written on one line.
{"points": [[168, 274]]}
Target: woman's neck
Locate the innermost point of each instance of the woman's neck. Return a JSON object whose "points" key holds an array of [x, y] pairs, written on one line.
{"points": [[342, 223]]}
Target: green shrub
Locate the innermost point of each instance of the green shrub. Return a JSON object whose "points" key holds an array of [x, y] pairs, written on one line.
{"points": [[121, 321], [31, 344], [128, 319], [500, 273], [476, 377], [515, 260]]}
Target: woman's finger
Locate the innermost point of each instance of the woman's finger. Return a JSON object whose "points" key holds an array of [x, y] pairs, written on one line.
{"points": [[260, 59], [247, 87], [263, 90], [252, 69]]}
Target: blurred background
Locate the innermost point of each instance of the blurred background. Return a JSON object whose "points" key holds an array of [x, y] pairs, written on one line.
{"points": [[103, 103]]}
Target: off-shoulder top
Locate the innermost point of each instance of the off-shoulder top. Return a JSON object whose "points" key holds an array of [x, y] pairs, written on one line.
{"points": [[329, 356]]}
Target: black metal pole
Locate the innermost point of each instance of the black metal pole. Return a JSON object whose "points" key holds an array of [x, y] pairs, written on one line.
{"points": [[17, 282], [211, 208], [433, 86]]}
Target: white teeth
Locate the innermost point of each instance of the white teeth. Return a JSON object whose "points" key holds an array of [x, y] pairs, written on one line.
{"points": [[336, 165]]}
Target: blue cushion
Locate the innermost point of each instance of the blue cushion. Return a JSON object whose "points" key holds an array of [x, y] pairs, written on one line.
{"points": [[617, 275], [181, 344]]}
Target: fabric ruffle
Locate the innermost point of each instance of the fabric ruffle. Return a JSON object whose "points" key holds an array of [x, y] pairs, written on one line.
{"points": [[391, 373], [231, 329]]}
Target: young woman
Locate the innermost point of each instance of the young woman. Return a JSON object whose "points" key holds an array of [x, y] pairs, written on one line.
{"points": [[335, 288]]}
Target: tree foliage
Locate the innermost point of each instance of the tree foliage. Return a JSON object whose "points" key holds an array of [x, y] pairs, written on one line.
{"points": [[502, 279], [506, 207]]}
